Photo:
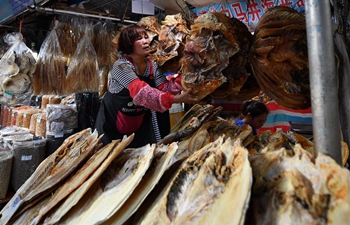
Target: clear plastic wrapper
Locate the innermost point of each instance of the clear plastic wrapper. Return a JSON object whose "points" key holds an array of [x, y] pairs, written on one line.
{"points": [[27, 114], [40, 127], [17, 67], [51, 67], [9, 131], [32, 126], [61, 118], [103, 34], [82, 73]]}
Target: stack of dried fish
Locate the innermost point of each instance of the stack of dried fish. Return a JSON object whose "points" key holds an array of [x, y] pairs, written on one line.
{"points": [[208, 48], [17, 67], [82, 73], [53, 170], [279, 57], [241, 83], [293, 187], [205, 189], [50, 75], [172, 37]]}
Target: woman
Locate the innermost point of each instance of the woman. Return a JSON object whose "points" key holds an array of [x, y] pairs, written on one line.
{"points": [[138, 95], [254, 113]]}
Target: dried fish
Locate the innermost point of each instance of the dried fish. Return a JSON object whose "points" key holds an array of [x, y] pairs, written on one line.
{"points": [[159, 164], [205, 188], [52, 170], [76, 195], [119, 181]]}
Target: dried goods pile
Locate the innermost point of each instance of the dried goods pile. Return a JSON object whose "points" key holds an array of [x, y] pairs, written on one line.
{"points": [[279, 57], [228, 176]]}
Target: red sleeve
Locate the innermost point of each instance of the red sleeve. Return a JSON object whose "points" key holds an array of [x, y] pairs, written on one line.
{"points": [[149, 97]]}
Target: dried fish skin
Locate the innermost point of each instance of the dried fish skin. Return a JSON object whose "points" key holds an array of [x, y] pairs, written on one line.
{"points": [[205, 188], [118, 183], [160, 163], [47, 173], [172, 38], [300, 188], [75, 196], [279, 57], [209, 46]]}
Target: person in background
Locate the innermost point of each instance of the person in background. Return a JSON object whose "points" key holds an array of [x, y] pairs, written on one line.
{"points": [[139, 96], [253, 113]]}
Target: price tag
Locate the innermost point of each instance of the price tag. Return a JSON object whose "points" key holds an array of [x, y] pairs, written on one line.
{"points": [[8, 95], [26, 157]]}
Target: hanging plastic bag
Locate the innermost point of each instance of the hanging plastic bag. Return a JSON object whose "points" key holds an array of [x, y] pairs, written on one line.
{"points": [[50, 75], [83, 71], [102, 40], [17, 67]]}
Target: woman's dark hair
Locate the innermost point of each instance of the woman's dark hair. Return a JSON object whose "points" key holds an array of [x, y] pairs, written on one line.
{"points": [[255, 108], [128, 37]]}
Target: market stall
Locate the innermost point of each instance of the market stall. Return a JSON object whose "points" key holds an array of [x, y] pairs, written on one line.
{"points": [[207, 170]]}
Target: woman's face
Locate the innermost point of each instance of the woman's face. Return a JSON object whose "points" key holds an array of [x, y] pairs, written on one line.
{"points": [[258, 121], [141, 45]]}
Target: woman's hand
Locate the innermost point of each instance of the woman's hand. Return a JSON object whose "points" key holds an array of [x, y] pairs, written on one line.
{"points": [[186, 97]]}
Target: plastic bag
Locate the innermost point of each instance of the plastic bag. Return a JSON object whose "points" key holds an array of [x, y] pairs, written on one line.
{"points": [[61, 118], [51, 72], [83, 72], [17, 67], [102, 40]]}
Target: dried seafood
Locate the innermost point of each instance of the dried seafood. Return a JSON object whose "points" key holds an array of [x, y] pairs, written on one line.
{"points": [[205, 188], [300, 188], [83, 72], [101, 40], [55, 168], [113, 150], [237, 72], [172, 37], [118, 183], [208, 48], [161, 161], [279, 57]]}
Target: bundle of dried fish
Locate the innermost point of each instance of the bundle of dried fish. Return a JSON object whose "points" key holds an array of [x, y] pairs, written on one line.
{"points": [[101, 40], [68, 37], [279, 57], [238, 70], [82, 74], [54, 169], [117, 184], [267, 141], [205, 188], [50, 75], [299, 188], [112, 150], [208, 48], [162, 158], [151, 24], [172, 37]]}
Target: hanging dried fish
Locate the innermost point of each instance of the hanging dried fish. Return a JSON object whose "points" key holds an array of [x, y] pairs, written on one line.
{"points": [[83, 72]]}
